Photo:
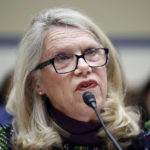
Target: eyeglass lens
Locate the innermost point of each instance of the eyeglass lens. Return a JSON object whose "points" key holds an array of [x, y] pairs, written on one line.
{"points": [[67, 62]]}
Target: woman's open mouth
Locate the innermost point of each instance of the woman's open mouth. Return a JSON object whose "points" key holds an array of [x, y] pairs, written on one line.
{"points": [[85, 85]]}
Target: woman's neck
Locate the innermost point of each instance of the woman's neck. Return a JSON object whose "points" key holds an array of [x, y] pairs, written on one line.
{"points": [[84, 133]]}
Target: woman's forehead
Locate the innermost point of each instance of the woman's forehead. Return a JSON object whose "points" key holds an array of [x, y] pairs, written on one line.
{"points": [[67, 36], [60, 32]]}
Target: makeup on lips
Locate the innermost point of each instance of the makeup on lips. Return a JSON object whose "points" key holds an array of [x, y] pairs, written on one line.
{"points": [[85, 85]]}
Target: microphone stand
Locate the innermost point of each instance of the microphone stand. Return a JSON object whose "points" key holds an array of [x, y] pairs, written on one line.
{"points": [[89, 99], [106, 130]]}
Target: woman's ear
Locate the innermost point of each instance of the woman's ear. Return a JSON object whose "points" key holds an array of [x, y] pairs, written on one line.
{"points": [[36, 84]]}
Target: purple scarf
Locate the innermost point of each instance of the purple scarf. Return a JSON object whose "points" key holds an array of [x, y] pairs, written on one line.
{"points": [[83, 133]]}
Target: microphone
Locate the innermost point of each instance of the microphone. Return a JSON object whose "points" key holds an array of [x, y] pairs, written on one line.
{"points": [[89, 99]]}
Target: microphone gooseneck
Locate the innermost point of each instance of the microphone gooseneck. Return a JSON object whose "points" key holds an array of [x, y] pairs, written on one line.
{"points": [[89, 99]]}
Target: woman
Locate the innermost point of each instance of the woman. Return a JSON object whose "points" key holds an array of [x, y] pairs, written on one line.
{"points": [[62, 55]]}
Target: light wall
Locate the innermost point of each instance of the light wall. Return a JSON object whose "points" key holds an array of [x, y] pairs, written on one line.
{"points": [[116, 17]]}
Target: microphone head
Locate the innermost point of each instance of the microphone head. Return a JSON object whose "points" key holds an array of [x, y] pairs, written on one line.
{"points": [[89, 98]]}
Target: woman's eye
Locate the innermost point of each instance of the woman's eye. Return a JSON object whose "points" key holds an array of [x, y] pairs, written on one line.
{"points": [[63, 58], [90, 52]]}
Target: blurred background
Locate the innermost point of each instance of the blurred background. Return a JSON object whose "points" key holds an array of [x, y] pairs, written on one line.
{"points": [[127, 24]]}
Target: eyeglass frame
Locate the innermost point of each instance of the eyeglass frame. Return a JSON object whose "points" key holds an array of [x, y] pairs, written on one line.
{"points": [[51, 61]]}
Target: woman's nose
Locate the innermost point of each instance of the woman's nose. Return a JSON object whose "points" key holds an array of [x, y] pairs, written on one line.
{"points": [[82, 68]]}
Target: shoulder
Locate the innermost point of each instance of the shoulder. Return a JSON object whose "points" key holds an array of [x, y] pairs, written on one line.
{"points": [[142, 141], [5, 135]]}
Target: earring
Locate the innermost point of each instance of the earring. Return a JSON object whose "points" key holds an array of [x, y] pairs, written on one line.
{"points": [[40, 93]]}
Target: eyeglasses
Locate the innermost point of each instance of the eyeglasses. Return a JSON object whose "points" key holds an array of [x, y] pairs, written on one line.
{"points": [[65, 63]]}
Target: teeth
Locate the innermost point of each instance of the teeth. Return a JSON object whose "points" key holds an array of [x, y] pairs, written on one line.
{"points": [[85, 85]]}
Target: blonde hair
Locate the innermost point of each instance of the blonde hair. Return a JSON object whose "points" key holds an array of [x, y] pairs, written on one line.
{"points": [[31, 121]]}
